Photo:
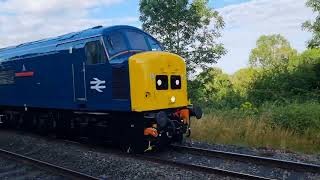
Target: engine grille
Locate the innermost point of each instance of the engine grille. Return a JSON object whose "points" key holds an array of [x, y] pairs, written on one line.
{"points": [[120, 83]]}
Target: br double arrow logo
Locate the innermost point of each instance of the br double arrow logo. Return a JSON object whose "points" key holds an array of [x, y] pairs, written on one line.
{"points": [[98, 85]]}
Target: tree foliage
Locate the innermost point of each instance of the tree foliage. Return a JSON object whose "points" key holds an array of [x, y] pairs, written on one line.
{"points": [[271, 51], [314, 26], [309, 56], [213, 88], [299, 81], [295, 80], [243, 78], [189, 29], [285, 75]]}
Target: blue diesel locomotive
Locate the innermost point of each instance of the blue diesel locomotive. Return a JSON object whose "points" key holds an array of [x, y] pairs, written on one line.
{"points": [[104, 82]]}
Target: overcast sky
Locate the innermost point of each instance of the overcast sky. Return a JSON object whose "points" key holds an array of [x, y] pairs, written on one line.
{"points": [[246, 20]]}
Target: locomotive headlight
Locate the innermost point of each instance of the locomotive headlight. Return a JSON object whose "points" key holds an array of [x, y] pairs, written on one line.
{"points": [[159, 82], [173, 99]]}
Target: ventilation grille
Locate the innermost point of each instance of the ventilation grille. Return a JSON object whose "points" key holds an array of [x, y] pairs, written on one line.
{"points": [[120, 83]]}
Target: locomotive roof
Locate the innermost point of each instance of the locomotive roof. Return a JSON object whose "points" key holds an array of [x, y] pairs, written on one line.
{"points": [[4, 52]]}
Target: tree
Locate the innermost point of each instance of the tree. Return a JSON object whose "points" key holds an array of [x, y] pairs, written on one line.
{"points": [[214, 89], [243, 79], [271, 51], [189, 29], [313, 27], [306, 70], [300, 82]]}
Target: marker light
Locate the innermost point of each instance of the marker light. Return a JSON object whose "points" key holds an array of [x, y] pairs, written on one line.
{"points": [[159, 82], [177, 82]]}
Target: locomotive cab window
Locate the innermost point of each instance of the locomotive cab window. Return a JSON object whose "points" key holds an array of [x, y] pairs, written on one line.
{"points": [[95, 53], [137, 41], [155, 46], [116, 43]]}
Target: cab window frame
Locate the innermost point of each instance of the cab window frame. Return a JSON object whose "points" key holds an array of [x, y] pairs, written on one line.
{"points": [[107, 43], [102, 55], [127, 46]]}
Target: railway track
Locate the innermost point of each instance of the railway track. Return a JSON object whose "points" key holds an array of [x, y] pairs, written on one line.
{"points": [[192, 165], [37, 166], [187, 166], [200, 168], [282, 164]]}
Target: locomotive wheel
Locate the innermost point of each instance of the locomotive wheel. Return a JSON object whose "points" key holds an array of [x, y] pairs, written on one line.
{"points": [[13, 120], [41, 125], [63, 124], [27, 121], [20, 121]]}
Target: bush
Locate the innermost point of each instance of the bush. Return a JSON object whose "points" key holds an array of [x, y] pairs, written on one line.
{"points": [[237, 128], [300, 117]]}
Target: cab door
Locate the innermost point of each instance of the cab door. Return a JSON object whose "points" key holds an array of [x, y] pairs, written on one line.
{"points": [[98, 74]]}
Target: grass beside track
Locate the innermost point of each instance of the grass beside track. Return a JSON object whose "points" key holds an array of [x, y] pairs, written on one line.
{"points": [[253, 131]]}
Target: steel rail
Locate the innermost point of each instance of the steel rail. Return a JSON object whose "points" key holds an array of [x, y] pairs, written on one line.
{"points": [[57, 170], [282, 164], [201, 168], [186, 166]]}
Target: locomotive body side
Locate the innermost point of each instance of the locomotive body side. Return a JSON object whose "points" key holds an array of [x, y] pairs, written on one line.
{"points": [[38, 81], [59, 77]]}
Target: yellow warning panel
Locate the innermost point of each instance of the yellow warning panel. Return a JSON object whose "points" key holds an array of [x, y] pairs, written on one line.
{"points": [[144, 69]]}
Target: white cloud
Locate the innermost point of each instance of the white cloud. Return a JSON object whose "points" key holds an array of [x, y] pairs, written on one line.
{"points": [[247, 21], [28, 20], [51, 6]]}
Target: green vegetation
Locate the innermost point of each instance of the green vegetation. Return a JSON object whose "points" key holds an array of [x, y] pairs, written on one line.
{"points": [[273, 103], [314, 26], [271, 51], [249, 128], [187, 28]]}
